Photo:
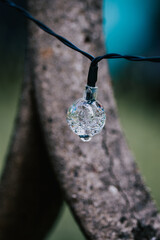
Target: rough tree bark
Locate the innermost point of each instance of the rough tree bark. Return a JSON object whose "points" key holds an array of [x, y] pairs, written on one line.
{"points": [[30, 197], [100, 180]]}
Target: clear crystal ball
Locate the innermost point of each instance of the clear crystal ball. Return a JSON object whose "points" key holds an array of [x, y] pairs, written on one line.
{"points": [[86, 117]]}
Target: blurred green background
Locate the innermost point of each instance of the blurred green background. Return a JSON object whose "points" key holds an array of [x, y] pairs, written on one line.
{"points": [[130, 27]]}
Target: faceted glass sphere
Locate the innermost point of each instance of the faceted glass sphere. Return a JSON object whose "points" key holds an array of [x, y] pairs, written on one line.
{"points": [[86, 117]]}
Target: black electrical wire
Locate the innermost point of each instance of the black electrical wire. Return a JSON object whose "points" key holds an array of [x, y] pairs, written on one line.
{"points": [[128, 57], [92, 75], [46, 29]]}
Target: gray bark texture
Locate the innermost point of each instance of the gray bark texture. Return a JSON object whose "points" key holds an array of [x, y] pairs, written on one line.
{"points": [[30, 198], [99, 179]]}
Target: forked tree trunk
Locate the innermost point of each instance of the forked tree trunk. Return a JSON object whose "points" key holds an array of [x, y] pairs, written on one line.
{"points": [[100, 180]]}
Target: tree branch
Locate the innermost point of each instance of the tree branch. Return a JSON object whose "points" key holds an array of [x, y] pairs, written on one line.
{"points": [[30, 198]]}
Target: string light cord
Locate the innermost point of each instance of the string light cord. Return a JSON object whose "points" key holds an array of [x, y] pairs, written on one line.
{"points": [[92, 75], [46, 29]]}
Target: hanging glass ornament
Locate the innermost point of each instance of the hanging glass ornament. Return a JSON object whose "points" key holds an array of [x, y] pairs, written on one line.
{"points": [[86, 116]]}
